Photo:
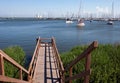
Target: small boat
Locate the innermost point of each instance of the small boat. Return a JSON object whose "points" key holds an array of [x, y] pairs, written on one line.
{"points": [[90, 20], [110, 22], [80, 23], [68, 21], [80, 20]]}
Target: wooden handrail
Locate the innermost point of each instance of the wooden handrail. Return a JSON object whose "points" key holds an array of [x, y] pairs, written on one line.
{"points": [[32, 65], [13, 62], [83, 55], [30, 72], [58, 59], [86, 54], [3, 78], [57, 54], [84, 73], [11, 80]]}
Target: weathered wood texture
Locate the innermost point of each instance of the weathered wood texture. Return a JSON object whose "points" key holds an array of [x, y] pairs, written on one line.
{"points": [[46, 70], [11, 80]]}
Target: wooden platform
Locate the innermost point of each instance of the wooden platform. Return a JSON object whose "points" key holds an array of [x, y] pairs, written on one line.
{"points": [[46, 70]]}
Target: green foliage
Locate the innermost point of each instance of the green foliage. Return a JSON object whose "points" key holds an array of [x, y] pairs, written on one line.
{"points": [[104, 64], [16, 53]]}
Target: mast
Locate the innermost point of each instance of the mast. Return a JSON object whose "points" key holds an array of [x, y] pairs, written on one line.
{"points": [[112, 12], [79, 12]]}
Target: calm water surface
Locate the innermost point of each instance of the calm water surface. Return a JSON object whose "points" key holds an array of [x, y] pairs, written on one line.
{"points": [[25, 32]]}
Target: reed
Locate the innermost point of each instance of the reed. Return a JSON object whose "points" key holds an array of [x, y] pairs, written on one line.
{"points": [[105, 63]]}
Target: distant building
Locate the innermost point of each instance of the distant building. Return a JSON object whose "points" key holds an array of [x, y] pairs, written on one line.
{"points": [[39, 16]]}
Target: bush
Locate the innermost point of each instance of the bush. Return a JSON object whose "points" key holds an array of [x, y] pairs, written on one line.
{"points": [[16, 53], [105, 63]]}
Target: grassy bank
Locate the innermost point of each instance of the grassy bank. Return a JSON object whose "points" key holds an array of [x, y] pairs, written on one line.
{"points": [[105, 63], [16, 53]]}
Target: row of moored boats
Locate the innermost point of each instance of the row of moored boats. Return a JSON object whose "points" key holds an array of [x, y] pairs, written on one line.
{"points": [[81, 23]]}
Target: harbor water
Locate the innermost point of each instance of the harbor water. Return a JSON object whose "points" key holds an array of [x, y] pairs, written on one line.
{"points": [[24, 33]]}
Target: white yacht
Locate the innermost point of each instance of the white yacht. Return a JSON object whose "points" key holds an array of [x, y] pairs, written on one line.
{"points": [[68, 21], [80, 20], [81, 23], [110, 21]]}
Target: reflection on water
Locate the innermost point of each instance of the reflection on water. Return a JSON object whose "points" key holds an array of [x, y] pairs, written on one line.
{"points": [[25, 32]]}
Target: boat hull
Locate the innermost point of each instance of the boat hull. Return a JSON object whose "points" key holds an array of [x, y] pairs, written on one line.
{"points": [[68, 22], [81, 24], [110, 23]]}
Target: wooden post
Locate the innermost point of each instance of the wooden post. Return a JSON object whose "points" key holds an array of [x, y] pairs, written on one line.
{"points": [[87, 67], [70, 75], [37, 40], [1, 66], [62, 77], [20, 74], [29, 78]]}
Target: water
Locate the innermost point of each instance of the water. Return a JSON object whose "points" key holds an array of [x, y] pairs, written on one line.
{"points": [[25, 32]]}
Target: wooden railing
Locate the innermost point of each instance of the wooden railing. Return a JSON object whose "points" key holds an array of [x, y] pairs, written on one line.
{"points": [[32, 65], [29, 72], [58, 60], [4, 57], [86, 73]]}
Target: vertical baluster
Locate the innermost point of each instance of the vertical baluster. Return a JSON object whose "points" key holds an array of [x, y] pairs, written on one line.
{"points": [[29, 78], [70, 75], [87, 67], [20, 74], [1, 65]]}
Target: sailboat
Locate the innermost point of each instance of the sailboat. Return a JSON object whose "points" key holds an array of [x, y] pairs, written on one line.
{"points": [[110, 22], [81, 23], [80, 20], [69, 20]]}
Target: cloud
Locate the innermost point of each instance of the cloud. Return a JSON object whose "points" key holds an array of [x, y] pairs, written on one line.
{"points": [[102, 10]]}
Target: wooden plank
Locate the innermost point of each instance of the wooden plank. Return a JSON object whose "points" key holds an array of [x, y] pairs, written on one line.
{"points": [[8, 79], [39, 70], [46, 70]]}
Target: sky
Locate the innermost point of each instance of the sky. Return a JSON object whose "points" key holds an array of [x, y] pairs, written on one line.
{"points": [[55, 8]]}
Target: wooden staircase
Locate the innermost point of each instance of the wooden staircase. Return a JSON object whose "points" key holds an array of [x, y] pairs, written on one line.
{"points": [[46, 65]]}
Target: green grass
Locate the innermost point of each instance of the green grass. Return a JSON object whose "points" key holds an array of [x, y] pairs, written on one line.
{"points": [[105, 63], [16, 53]]}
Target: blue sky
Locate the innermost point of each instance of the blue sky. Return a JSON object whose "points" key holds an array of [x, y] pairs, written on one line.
{"points": [[30, 8]]}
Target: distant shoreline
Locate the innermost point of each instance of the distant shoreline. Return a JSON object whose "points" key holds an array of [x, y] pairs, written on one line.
{"points": [[57, 18]]}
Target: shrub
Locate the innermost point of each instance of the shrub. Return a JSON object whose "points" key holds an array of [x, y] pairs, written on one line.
{"points": [[16, 53], [104, 63]]}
